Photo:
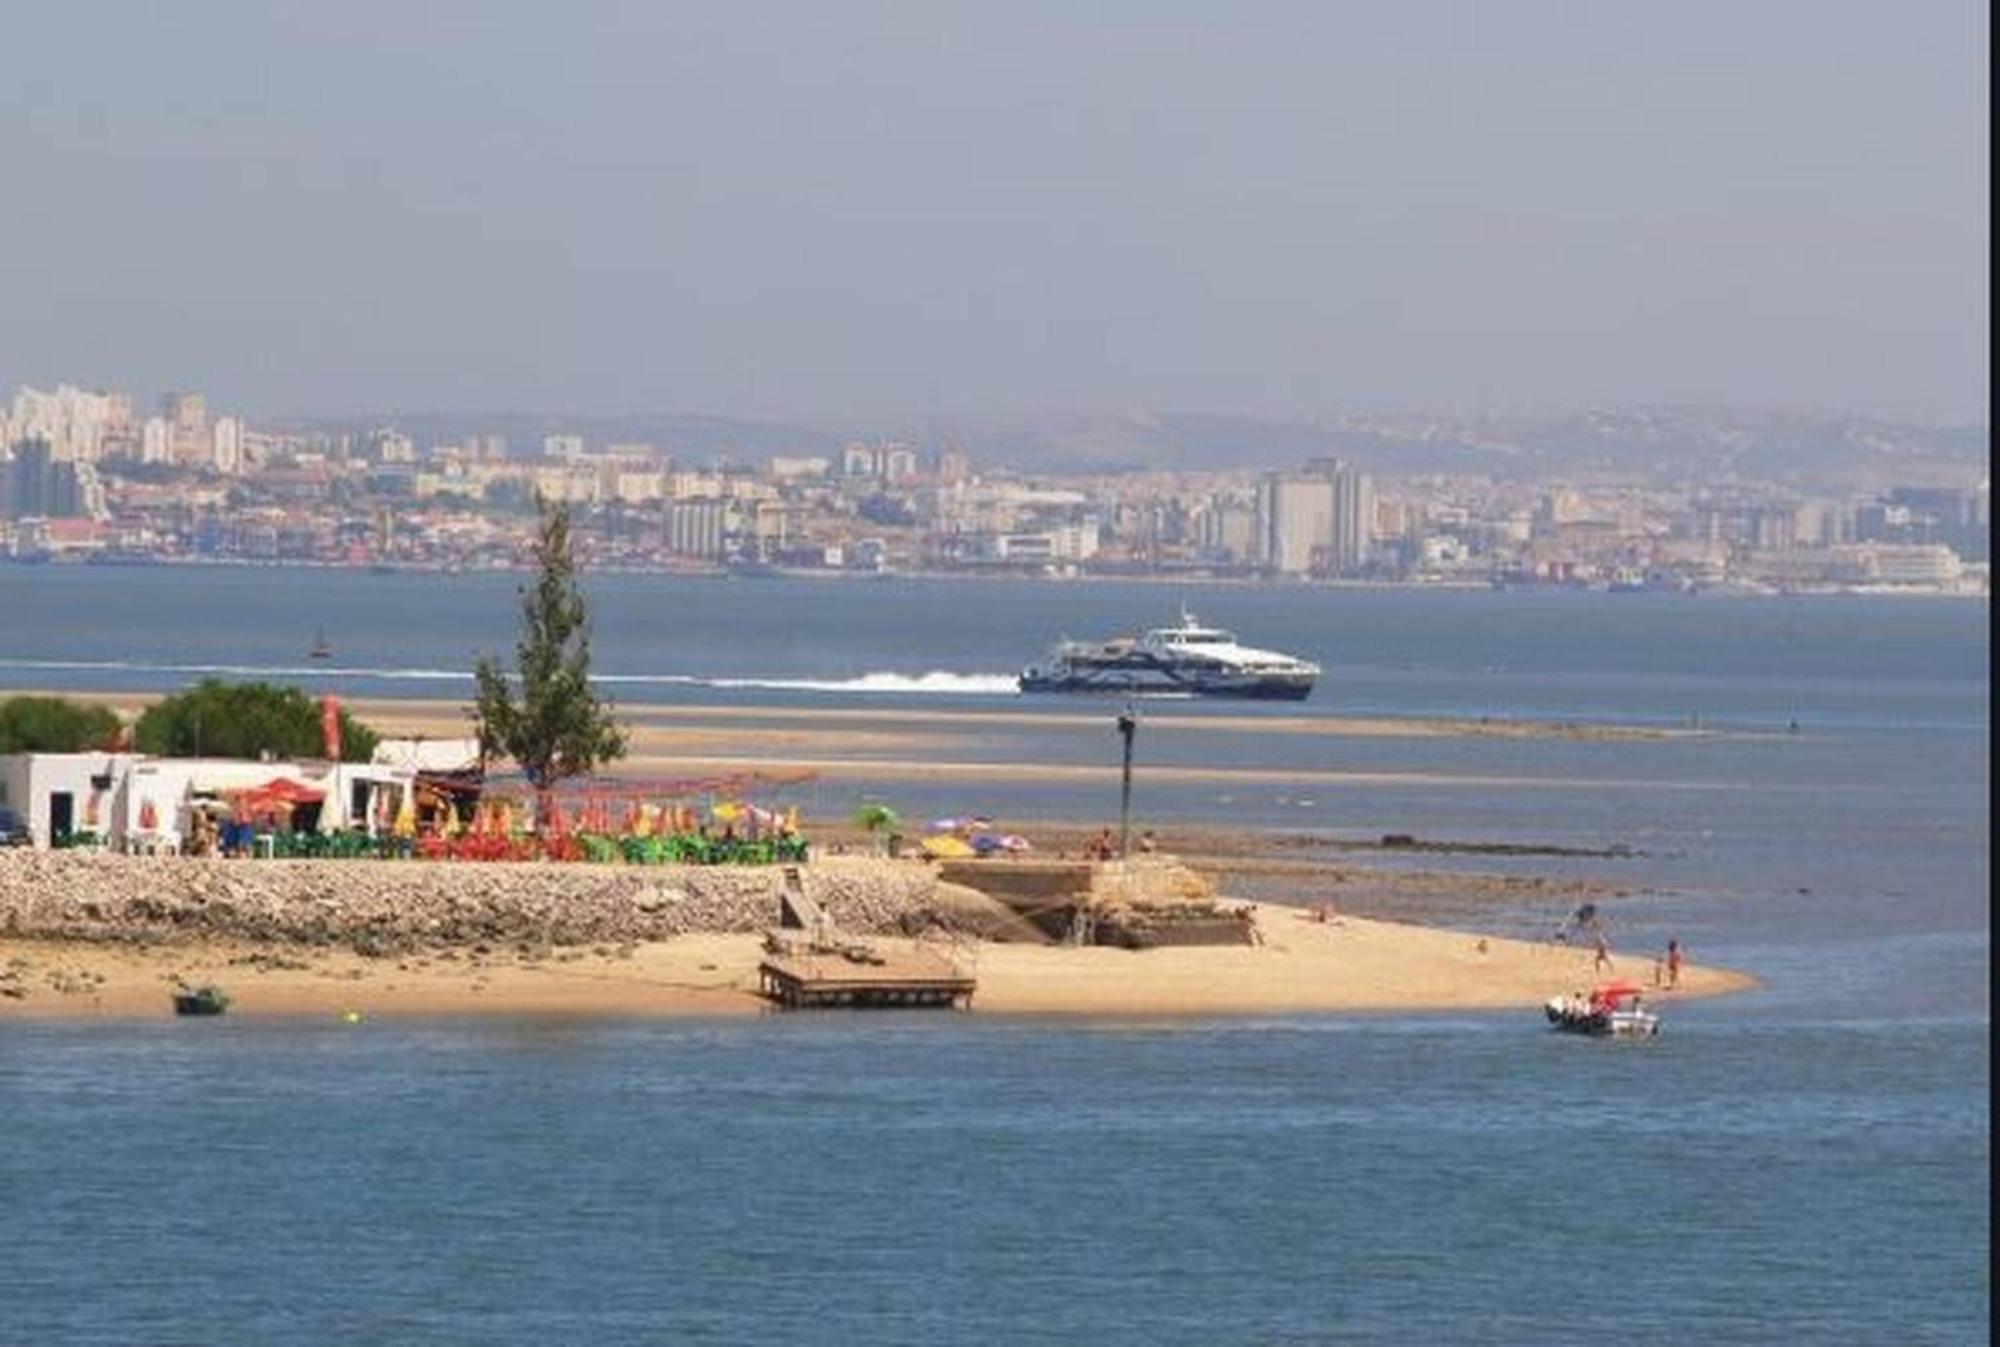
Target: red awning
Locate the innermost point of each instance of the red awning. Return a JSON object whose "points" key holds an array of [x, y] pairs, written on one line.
{"points": [[281, 791]]}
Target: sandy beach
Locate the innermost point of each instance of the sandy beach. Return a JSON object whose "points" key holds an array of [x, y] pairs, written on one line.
{"points": [[1302, 966]]}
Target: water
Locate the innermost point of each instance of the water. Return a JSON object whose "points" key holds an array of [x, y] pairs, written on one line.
{"points": [[1809, 1162]]}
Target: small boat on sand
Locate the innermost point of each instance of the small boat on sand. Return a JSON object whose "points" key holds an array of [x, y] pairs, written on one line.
{"points": [[207, 999], [1614, 1010]]}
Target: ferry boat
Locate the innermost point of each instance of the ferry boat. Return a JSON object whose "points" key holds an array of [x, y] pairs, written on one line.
{"points": [[1187, 659]]}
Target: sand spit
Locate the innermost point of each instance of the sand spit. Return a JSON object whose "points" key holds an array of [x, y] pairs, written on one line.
{"points": [[446, 716], [107, 935]]}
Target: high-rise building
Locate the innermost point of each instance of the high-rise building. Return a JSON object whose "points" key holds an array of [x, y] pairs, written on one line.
{"points": [[226, 445], [156, 441], [35, 484], [187, 426], [1352, 534], [1318, 521], [1294, 521], [73, 421]]}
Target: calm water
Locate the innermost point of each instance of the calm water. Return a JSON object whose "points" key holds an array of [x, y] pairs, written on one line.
{"points": [[1806, 1163]]}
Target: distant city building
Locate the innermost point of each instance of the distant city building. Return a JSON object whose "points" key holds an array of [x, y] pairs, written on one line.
{"points": [[156, 441], [1353, 522], [388, 445], [226, 445], [787, 469], [563, 446], [37, 484], [74, 422], [186, 415], [695, 528], [889, 461], [1294, 521]]}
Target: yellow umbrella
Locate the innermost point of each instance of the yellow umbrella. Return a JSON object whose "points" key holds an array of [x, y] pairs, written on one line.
{"points": [[642, 821], [727, 813], [406, 815], [947, 848]]}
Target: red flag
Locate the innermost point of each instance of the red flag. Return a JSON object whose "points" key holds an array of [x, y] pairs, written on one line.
{"points": [[329, 725]]}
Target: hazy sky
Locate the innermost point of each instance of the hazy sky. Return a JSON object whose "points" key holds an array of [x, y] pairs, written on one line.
{"points": [[845, 208]]}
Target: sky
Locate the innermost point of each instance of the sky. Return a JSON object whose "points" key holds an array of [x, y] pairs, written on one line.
{"points": [[813, 210]]}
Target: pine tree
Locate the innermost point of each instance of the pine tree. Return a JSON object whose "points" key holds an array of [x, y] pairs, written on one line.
{"points": [[559, 728]]}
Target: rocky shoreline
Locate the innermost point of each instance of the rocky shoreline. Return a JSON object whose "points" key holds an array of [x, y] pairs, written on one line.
{"points": [[386, 908]]}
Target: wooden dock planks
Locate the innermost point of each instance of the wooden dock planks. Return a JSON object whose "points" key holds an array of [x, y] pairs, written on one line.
{"points": [[859, 979]]}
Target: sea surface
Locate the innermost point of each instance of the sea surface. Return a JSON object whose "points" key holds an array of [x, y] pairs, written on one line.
{"points": [[1807, 1162]]}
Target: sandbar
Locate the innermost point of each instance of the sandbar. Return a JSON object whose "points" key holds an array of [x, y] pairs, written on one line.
{"points": [[1302, 966]]}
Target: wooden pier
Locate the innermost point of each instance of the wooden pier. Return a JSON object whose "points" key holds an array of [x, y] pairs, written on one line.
{"points": [[857, 977]]}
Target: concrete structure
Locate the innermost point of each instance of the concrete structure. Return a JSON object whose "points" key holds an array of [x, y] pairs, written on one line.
{"points": [[695, 528], [139, 803]]}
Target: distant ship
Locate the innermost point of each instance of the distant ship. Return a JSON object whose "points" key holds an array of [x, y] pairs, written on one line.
{"points": [[321, 647], [1186, 660]]}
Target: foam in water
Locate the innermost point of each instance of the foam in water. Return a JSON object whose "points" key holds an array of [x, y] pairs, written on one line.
{"points": [[937, 681]]}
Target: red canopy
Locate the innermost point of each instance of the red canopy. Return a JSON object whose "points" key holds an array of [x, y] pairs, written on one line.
{"points": [[282, 790], [1611, 993]]}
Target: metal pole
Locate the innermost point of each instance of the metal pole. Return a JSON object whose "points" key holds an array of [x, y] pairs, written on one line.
{"points": [[1128, 725]]}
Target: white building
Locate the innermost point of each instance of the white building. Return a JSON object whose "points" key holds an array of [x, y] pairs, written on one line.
{"points": [[226, 440], [75, 421], [138, 803]]}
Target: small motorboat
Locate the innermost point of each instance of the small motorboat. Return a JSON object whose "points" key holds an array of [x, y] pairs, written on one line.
{"points": [[207, 999], [1614, 1010]]}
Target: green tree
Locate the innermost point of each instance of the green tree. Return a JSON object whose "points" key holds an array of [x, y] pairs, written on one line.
{"points": [[559, 728], [55, 725], [215, 719]]}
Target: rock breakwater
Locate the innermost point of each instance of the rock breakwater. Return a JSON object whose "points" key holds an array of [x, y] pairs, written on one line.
{"points": [[382, 908]]}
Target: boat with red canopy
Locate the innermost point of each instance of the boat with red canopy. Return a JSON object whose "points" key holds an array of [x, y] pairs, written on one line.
{"points": [[1612, 1010]]}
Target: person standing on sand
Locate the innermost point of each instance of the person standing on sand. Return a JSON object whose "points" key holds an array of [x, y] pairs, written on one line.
{"points": [[1603, 951], [1673, 963]]}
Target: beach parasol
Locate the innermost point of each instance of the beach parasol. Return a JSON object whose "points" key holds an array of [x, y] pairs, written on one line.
{"points": [[1013, 843], [987, 843], [946, 825], [945, 847], [406, 815], [876, 817]]}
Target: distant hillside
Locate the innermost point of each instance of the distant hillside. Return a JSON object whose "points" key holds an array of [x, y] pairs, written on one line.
{"points": [[1667, 444], [1823, 451]]}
